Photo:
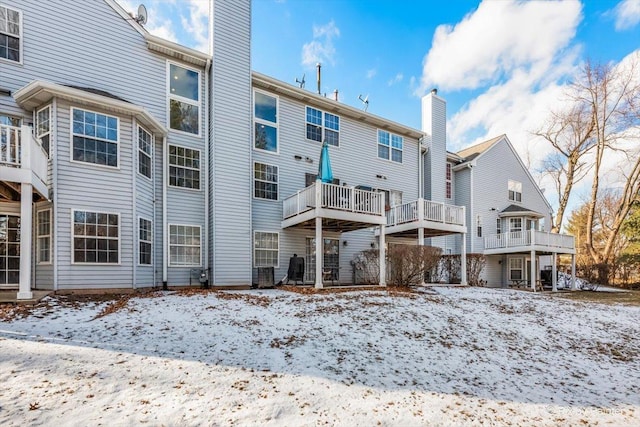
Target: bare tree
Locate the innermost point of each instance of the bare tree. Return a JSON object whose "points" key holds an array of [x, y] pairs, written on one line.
{"points": [[570, 132]]}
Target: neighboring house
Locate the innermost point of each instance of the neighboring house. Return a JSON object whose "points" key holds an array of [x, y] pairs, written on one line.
{"points": [[509, 218], [128, 161]]}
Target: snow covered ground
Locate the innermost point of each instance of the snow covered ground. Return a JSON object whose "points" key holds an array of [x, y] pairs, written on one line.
{"points": [[443, 356]]}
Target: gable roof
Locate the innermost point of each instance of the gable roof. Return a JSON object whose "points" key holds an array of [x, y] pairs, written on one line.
{"points": [[474, 151], [514, 210]]}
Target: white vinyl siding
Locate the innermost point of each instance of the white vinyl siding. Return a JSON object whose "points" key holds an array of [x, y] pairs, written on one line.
{"points": [[145, 237], [96, 237], [185, 246], [265, 108], [184, 98], [184, 167], [10, 34], [44, 236], [95, 138], [266, 249], [145, 152], [265, 179], [322, 126]]}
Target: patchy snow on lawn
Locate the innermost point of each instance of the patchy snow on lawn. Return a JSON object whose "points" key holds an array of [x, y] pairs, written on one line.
{"points": [[443, 356]]}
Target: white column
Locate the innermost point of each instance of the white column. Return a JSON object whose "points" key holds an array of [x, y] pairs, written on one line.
{"points": [[463, 260], [319, 253], [383, 256], [26, 215], [573, 272], [421, 243], [554, 272], [532, 273]]}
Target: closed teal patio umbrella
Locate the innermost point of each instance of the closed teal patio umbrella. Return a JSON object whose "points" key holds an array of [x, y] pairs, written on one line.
{"points": [[325, 174]]}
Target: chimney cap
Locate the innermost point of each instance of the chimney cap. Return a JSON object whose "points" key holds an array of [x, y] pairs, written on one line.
{"points": [[434, 91]]}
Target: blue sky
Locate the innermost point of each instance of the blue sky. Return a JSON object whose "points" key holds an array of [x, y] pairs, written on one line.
{"points": [[500, 64]]}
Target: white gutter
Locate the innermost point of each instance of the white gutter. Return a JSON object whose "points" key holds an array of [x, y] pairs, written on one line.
{"points": [[134, 198], [53, 153], [471, 213], [165, 234]]}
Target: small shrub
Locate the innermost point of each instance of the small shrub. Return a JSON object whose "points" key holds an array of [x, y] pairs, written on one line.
{"points": [[408, 265]]}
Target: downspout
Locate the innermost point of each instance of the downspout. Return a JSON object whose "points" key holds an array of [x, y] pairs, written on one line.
{"points": [[471, 210], [134, 196], [53, 153], [153, 215], [206, 181], [165, 239]]}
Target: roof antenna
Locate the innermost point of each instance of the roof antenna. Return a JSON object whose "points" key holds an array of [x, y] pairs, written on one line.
{"points": [[318, 67], [365, 101], [301, 82]]}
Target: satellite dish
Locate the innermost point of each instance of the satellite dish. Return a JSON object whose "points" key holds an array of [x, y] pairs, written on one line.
{"points": [[141, 17]]}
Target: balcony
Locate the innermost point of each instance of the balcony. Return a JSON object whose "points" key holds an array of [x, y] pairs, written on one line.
{"points": [[526, 241], [341, 208], [437, 219], [22, 159]]}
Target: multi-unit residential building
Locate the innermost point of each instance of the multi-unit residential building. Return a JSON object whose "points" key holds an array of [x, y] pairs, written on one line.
{"points": [[129, 161]]}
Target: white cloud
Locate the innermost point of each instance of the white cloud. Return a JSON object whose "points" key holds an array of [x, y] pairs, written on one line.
{"points": [[627, 14], [396, 79], [371, 73], [496, 39], [197, 24], [321, 48]]}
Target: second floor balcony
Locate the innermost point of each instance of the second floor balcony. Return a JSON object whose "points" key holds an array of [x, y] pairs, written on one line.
{"points": [[22, 158], [435, 218], [341, 208], [527, 240]]}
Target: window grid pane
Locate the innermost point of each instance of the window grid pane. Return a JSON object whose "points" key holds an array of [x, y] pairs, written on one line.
{"points": [[265, 181], [322, 126], [184, 167], [266, 250], [184, 245], [144, 152], [95, 237], [145, 240], [44, 236], [95, 138], [10, 33]]}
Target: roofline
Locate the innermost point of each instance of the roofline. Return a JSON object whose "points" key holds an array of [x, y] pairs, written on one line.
{"points": [[158, 44], [39, 92], [274, 85], [497, 139]]}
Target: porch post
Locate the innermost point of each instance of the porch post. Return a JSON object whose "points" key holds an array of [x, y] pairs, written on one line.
{"points": [[26, 215], [554, 272], [463, 260], [532, 273], [383, 256], [319, 253], [573, 272]]}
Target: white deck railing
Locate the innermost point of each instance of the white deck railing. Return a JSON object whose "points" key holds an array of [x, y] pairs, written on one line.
{"points": [[331, 196], [20, 149], [529, 238], [431, 211]]}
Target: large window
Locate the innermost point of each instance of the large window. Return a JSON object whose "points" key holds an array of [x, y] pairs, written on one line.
{"points": [[145, 145], [265, 181], [95, 138], [43, 127], [96, 237], [322, 126], [184, 99], [145, 235], [390, 146], [515, 191], [184, 167], [44, 236], [10, 33], [265, 122], [448, 181], [184, 246], [265, 249]]}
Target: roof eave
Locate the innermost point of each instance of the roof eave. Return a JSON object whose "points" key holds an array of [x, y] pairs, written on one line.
{"points": [[39, 92], [176, 51]]}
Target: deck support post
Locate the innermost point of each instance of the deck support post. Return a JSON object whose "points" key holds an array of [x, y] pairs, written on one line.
{"points": [[573, 272], [26, 219], [463, 260], [319, 253], [532, 273], [554, 272], [383, 256]]}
